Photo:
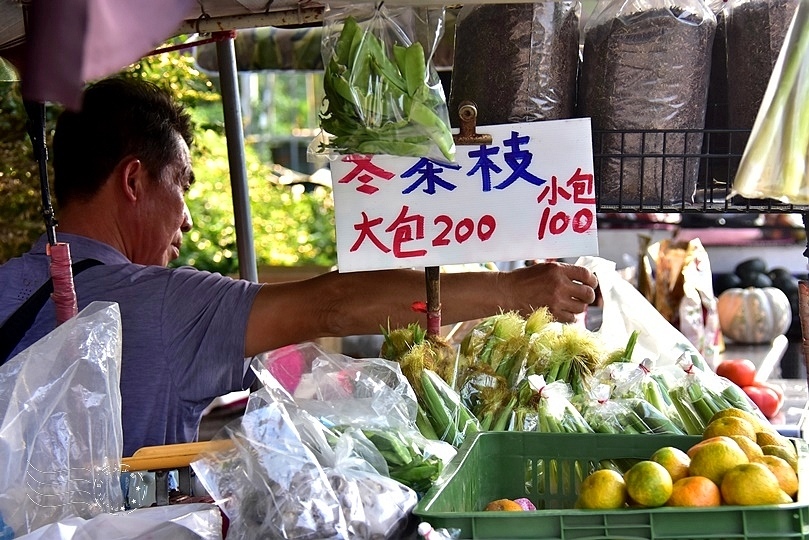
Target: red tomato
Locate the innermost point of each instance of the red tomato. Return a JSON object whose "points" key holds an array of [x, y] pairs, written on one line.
{"points": [[765, 397], [738, 370]]}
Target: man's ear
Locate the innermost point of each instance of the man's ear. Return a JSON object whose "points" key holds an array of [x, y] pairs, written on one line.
{"points": [[132, 175]]}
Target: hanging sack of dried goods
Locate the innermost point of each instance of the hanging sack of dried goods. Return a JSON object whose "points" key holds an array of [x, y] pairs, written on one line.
{"points": [[645, 67], [516, 62], [382, 92], [755, 33], [717, 140]]}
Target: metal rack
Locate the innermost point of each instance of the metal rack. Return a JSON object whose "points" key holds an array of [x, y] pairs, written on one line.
{"points": [[635, 152]]}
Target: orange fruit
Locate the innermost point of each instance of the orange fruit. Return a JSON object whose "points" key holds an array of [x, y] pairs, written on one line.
{"points": [[602, 489], [648, 483], [691, 451], [750, 417], [674, 460], [694, 491], [503, 505], [749, 446], [714, 459], [752, 484], [729, 425], [783, 471]]}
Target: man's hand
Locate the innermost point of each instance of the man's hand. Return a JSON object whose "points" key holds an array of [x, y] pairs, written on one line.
{"points": [[566, 289]]}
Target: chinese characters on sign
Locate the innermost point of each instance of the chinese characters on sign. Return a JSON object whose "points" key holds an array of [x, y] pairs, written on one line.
{"points": [[528, 195]]}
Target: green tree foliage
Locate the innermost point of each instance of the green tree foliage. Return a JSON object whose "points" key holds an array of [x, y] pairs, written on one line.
{"points": [[290, 227]]}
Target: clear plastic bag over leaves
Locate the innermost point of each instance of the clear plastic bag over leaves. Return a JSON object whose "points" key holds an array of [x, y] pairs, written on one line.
{"points": [[382, 92], [61, 438]]}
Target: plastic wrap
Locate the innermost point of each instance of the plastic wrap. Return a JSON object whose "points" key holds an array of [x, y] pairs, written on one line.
{"points": [[700, 394], [296, 475], [382, 92], [516, 62], [61, 438], [606, 412], [646, 65], [197, 521], [367, 400], [548, 408]]}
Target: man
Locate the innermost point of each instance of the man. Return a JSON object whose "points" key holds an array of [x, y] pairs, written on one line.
{"points": [[122, 167]]}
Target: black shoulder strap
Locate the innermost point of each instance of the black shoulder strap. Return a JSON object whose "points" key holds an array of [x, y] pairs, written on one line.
{"points": [[15, 327]]}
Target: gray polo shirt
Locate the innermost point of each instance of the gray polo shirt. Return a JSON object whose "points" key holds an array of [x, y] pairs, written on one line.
{"points": [[182, 333]]}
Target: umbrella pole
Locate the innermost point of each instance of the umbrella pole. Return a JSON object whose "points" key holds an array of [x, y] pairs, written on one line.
{"points": [[64, 292], [36, 131]]}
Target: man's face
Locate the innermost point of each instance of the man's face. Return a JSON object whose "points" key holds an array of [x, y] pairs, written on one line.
{"points": [[165, 215]]}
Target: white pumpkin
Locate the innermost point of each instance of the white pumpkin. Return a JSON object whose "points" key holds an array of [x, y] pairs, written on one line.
{"points": [[754, 314]]}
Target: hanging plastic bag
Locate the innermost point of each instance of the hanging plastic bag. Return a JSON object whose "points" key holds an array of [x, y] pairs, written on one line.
{"points": [[382, 93], [61, 439], [516, 62], [775, 163], [645, 67]]}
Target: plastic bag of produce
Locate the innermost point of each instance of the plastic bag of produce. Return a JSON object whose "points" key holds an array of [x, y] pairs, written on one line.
{"points": [[382, 92], [61, 439], [644, 380], [547, 408], [288, 475], [516, 62], [369, 401], [606, 412], [700, 394], [645, 67]]}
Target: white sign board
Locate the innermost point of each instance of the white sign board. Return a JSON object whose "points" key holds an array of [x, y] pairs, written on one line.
{"points": [[528, 195]]}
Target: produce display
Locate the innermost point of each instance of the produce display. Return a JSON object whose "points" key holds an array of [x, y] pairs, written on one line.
{"points": [[534, 374], [738, 461]]}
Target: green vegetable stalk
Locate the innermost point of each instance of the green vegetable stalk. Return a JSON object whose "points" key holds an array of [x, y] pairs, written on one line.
{"points": [[774, 163], [378, 100]]}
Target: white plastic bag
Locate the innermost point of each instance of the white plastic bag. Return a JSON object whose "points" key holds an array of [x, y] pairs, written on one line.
{"points": [[199, 521], [626, 309], [61, 438]]}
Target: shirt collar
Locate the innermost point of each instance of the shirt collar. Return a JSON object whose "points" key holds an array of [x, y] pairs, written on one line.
{"points": [[82, 247]]}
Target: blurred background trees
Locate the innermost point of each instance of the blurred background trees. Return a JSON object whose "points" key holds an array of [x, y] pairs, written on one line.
{"points": [[292, 216]]}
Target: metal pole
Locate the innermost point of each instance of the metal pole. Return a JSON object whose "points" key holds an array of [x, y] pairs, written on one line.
{"points": [[226, 55]]}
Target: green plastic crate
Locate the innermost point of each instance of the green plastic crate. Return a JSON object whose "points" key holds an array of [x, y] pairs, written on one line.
{"points": [[548, 468]]}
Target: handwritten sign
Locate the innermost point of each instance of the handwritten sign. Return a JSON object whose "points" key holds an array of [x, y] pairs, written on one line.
{"points": [[528, 195]]}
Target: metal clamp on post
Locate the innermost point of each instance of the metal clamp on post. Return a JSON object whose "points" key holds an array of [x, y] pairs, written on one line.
{"points": [[468, 113]]}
